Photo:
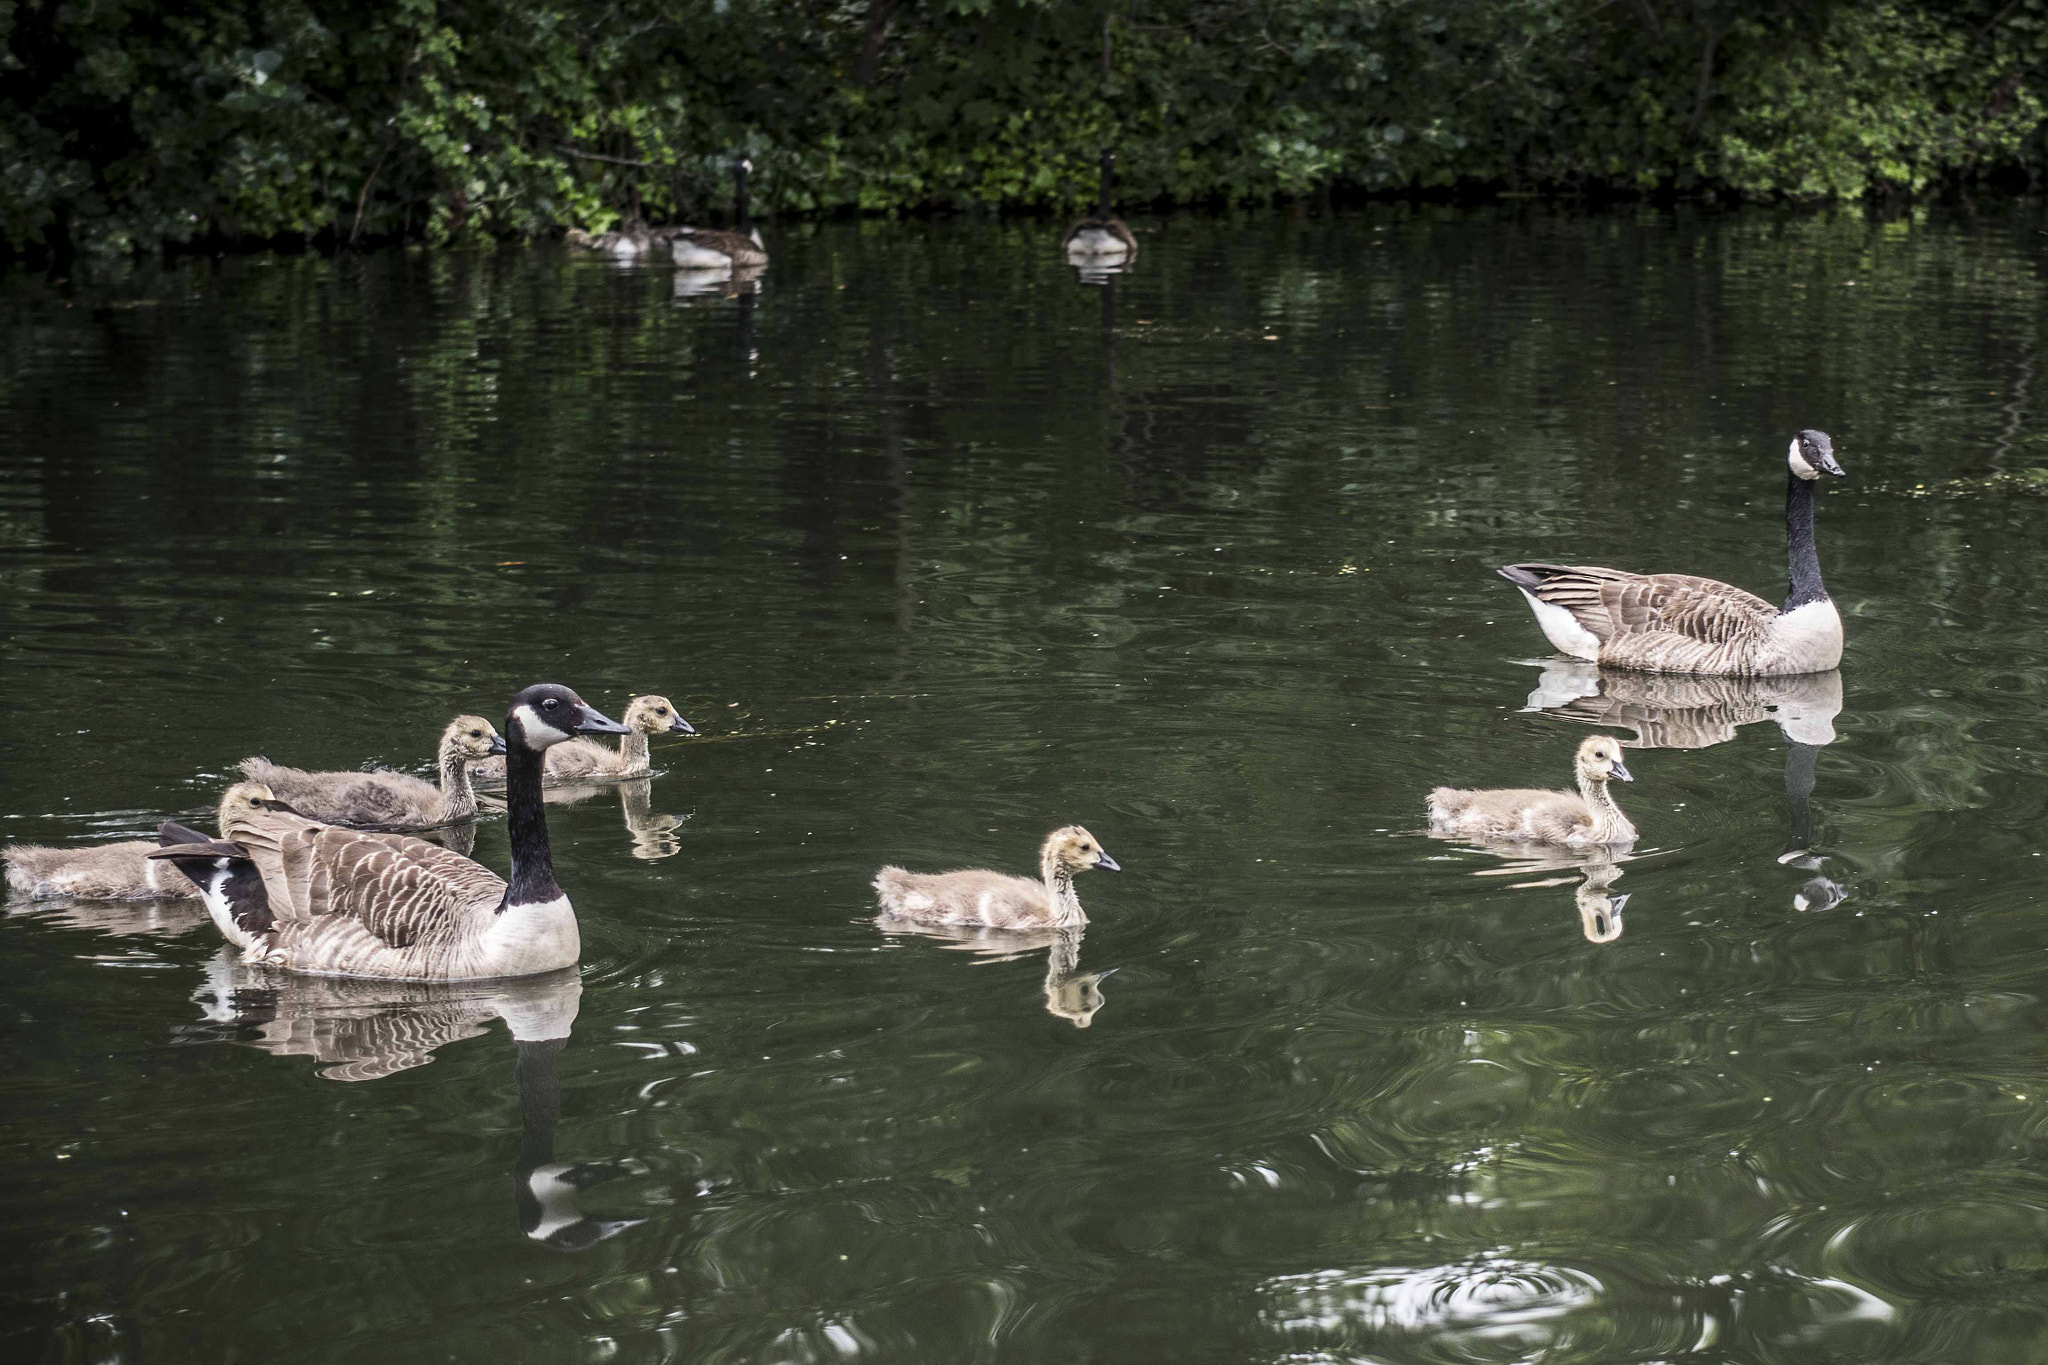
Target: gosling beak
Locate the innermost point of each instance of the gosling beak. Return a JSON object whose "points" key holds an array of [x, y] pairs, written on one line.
{"points": [[1621, 771], [497, 745], [1105, 862], [591, 721], [679, 726]]}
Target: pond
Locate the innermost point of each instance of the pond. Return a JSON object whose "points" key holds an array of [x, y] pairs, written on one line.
{"points": [[940, 547]]}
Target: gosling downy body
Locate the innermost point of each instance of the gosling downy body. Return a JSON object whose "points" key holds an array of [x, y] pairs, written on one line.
{"points": [[585, 760], [1588, 816], [1104, 238], [1678, 623], [999, 900], [307, 897], [106, 872], [711, 249], [385, 799]]}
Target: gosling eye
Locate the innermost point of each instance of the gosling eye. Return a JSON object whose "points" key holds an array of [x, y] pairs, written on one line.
{"points": [[661, 710], [476, 734]]}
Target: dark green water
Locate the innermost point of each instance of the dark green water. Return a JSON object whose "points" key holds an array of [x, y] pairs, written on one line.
{"points": [[935, 562]]}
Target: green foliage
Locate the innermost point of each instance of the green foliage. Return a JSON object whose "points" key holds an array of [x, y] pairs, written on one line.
{"points": [[127, 123]]}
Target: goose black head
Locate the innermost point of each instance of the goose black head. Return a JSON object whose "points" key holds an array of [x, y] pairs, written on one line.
{"points": [[548, 713], [1813, 454]]}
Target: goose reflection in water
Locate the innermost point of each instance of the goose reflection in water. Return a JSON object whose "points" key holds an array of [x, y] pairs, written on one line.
{"points": [[1070, 994], [361, 1029], [1690, 711]]}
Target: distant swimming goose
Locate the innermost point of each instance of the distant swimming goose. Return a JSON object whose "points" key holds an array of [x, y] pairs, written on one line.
{"points": [[711, 249], [387, 799], [1544, 817], [1676, 623], [1104, 237], [998, 899], [109, 872], [585, 760], [338, 902]]}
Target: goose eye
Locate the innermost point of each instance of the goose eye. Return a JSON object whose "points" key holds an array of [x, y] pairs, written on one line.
{"points": [[551, 703]]}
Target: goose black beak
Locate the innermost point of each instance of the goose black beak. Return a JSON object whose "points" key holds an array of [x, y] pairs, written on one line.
{"points": [[1830, 465], [1622, 773], [497, 745], [679, 726], [592, 721], [1105, 862]]}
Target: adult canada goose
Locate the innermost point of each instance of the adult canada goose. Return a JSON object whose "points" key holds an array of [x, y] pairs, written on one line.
{"points": [[1104, 237], [1677, 623], [711, 249], [585, 760], [1688, 711], [110, 872], [385, 799], [997, 899], [1544, 817], [338, 902]]}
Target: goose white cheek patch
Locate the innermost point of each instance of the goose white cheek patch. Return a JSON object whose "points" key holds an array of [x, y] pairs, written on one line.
{"points": [[1798, 464], [539, 734]]}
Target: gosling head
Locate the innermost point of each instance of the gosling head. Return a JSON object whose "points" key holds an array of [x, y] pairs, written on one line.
{"points": [[652, 715], [1074, 847], [1600, 760], [545, 714], [1812, 454], [471, 738], [244, 799]]}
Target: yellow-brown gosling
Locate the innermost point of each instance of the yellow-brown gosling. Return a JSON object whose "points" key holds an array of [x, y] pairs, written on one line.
{"points": [[111, 872], [387, 799], [585, 760], [998, 899], [1588, 816]]}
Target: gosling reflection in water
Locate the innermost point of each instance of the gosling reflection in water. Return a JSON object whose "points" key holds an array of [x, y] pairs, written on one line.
{"points": [[1598, 904], [653, 834], [1070, 994], [360, 1029]]}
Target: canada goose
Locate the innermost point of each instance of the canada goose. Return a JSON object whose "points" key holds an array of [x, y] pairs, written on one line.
{"points": [[110, 872], [1104, 237], [1676, 623], [386, 799], [997, 899], [711, 249], [338, 902], [585, 760], [1544, 817]]}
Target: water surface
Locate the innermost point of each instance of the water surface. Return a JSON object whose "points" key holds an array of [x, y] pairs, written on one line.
{"points": [[939, 548]]}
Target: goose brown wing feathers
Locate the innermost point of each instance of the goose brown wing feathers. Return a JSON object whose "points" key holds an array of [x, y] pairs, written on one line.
{"points": [[400, 889], [1613, 604]]}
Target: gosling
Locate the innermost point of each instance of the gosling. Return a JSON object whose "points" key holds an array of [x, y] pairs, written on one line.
{"points": [[580, 760], [107, 872], [386, 799], [1544, 817], [998, 900]]}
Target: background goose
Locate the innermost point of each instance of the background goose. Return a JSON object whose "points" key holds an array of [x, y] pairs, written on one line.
{"points": [[997, 899], [109, 872], [585, 760], [387, 799], [1677, 623], [338, 902], [1543, 817], [1104, 237], [711, 249]]}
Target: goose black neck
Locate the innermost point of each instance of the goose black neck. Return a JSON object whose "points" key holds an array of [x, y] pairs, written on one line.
{"points": [[1799, 777], [533, 864], [1799, 551], [739, 198]]}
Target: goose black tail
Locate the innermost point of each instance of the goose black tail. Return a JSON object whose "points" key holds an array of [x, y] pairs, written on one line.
{"points": [[1527, 576], [217, 868]]}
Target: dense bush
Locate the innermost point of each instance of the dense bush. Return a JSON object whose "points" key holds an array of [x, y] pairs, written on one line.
{"points": [[130, 123]]}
